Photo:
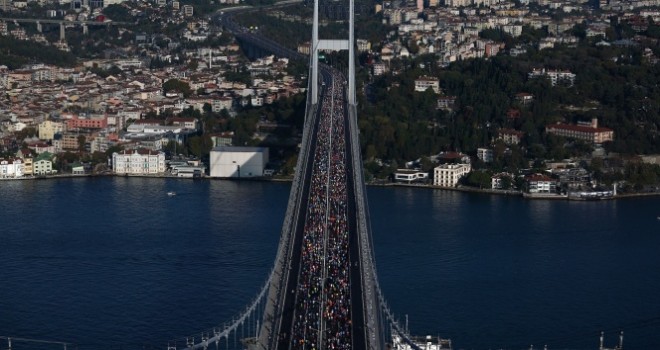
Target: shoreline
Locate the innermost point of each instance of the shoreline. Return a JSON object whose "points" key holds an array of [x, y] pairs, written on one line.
{"points": [[373, 184]]}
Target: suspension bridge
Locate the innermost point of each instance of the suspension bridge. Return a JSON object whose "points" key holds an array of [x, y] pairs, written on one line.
{"points": [[323, 291]]}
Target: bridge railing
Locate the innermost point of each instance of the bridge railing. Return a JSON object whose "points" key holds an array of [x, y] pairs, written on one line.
{"points": [[279, 281], [17, 343], [374, 299]]}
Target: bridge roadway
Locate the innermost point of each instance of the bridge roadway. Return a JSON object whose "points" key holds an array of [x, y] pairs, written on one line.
{"points": [[312, 312], [323, 289], [65, 22]]}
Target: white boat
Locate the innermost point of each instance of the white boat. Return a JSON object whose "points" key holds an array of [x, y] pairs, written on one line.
{"points": [[171, 193]]}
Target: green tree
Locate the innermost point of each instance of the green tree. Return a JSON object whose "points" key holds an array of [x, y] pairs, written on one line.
{"points": [[81, 143], [176, 85], [479, 178]]}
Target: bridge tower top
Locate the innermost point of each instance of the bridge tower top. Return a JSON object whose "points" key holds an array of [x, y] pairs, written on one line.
{"points": [[346, 44]]}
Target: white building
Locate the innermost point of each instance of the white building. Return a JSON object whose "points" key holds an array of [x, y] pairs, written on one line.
{"points": [[11, 168], [485, 154], [138, 162], [447, 175], [496, 181], [424, 82], [554, 76], [409, 176], [42, 167], [227, 161], [539, 183]]}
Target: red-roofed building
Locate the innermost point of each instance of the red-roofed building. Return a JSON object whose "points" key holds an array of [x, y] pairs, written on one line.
{"points": [[87, 123], [452, 157], [590, 133]]}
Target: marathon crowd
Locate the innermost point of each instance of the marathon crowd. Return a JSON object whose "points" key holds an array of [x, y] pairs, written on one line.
{"points": [[322, 313]]}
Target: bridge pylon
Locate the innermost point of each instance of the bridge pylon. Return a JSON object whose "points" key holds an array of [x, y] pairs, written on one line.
{"points": [[332, 45]]}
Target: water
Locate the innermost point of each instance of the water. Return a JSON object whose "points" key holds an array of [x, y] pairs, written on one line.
{"points": [[116, 263]]}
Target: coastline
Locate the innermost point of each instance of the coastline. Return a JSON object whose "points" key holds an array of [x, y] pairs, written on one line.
{"points": [[374, 184]]}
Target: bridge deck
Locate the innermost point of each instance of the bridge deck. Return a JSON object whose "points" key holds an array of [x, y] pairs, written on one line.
{"points": [[322, 304]]}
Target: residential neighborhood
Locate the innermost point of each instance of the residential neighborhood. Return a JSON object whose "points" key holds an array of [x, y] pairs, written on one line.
{"points": [[160, 102]]}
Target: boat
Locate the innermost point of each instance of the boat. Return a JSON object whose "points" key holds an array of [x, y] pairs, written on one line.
{"points": [[171, 193]]}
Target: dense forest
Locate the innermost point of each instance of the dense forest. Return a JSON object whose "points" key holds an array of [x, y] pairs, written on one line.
{"points": [[16, 53], [613, 84]]}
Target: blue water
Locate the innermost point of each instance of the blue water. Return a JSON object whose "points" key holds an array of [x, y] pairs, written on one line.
{"points": [[113, 263]]}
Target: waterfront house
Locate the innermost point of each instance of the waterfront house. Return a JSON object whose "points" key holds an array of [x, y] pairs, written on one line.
{"points": [[539, 183], [11, 168], [410, 175], [138, 162], [448, 175]]}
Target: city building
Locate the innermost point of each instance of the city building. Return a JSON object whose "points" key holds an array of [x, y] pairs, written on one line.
{"points": [[69, 141], [510, 136], [11, 168], [539, 183], [87, 123], [380, 68], [496, 181], [423, 83], [42, 166], [448, 175], [222, 139], [485, 154], [555, 76], [524, 98], [187, 10], [138, 162], [227, 161], [186, 123], [410, 176], [28, 166], [48, 129], [589, 132], [446, 103]]}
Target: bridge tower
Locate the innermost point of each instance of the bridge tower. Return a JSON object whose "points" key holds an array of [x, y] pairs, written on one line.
{"points": [[335, 45]]}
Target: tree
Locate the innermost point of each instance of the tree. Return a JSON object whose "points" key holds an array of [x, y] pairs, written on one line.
{"points": [[200, 146], [118, 12], [81, 143], [177, 85], [479, 179], [506, 182]]}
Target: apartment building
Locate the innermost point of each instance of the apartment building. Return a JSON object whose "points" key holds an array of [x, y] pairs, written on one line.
{"points": [[447, 175]]}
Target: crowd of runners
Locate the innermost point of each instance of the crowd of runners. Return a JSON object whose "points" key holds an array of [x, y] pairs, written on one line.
{"points": [[322, 318]]}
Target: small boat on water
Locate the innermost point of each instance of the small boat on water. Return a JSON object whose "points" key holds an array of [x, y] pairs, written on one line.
{"points": [[171, 193]]}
